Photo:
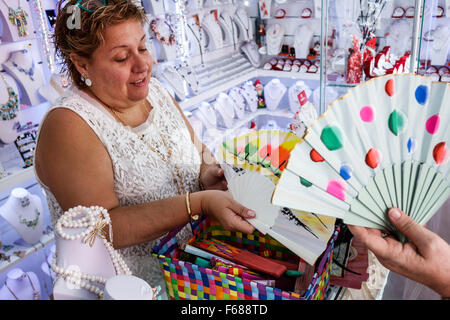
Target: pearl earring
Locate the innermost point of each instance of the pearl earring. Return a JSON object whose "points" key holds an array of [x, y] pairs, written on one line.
{"points": [[88, 82]]}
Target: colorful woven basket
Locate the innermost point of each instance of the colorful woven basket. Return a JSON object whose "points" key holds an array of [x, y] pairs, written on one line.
{"points": [[188, 281]]}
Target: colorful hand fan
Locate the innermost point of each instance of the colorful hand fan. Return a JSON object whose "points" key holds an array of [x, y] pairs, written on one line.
{"points": [[382, 145]]}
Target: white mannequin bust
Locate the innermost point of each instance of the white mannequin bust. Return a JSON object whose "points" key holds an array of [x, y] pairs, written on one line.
{"points": [[167, 52], [251, 51], [196, 37], [213, 31], [20, 285], [8, 133], [225, 110], [55, 88], [244, 24], [250, 95], [207, 115], [24, 212], [127, 287], [77, 256], [441, 45], [302, 40], [10, 31], [30, 84], [238, 101], [273, 93], [275, 37], [229, 29], [294, 91]]}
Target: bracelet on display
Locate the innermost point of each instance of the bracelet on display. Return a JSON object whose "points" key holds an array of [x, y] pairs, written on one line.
{"points": [[280, 13], [306, 13]]}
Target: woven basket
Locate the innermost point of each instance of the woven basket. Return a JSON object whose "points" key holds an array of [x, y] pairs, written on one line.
{"points": [[187, 281]]}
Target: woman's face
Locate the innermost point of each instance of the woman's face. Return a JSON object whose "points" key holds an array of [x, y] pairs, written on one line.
{"points": [[121, 67]]}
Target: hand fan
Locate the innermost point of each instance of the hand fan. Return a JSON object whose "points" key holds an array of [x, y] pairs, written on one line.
{"points": [[382, 145]]}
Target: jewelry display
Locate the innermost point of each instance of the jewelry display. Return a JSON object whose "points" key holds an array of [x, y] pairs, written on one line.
{"points": [[440, 38], [264, 8], [20, 285], [198, 45], [229, 28], [302, 40], [18, 17], [189, 76], [239, 102], [129, 287], [244, 24], [213, 32], [298, 94], [248, 91], [55, 88], [155, 24], [51, 17], [207, 115], [280, 13], [23, 211], [93, 220], [250, 50], [275, 37], [273, 93], [9, 109], [175, 80], [306, 13], [225, 110]]}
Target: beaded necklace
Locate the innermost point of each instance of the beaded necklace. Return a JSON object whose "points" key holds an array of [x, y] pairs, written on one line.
{"points": [[18, 17], [35, 293], [8, 111]]}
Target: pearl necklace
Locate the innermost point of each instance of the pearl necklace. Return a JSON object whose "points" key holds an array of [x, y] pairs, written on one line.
{"points": [[94, 220]]}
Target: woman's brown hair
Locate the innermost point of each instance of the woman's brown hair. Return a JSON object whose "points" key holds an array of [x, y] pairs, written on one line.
{"points": [[80, 25]]}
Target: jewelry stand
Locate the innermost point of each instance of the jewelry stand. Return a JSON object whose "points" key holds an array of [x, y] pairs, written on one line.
{"points": [[46, 264], [174, 79], [128, 287], [87, 255], [225, 111], [188, 74], [273, 93], [207, 115], [441, 45], [275, 37], [25, 71], [229, 28], [250, 95], [20, 285], [196, 37], [294, 91], [238, 102], [251, 51], [302, 41], [24, 212], [10, 31], [213, 31], [54, 89], [167, 52], [8, 131], [154, 7], [244, 24]]}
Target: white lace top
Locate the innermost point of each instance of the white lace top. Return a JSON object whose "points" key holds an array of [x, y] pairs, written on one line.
{"points": [[140, 175]]}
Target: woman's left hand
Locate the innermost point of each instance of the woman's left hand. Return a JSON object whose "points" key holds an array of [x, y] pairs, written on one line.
{"points": [[212, 178]]}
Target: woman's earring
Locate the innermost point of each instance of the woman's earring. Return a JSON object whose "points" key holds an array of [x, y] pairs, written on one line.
{"points": [[88, 82]]}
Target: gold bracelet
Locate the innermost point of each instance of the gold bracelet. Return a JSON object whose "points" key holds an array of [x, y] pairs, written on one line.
{"points": [[188, 206]]}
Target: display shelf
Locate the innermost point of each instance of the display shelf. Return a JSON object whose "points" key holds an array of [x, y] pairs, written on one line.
{"points": [[17, 252], [16, 178], [288, 74]]}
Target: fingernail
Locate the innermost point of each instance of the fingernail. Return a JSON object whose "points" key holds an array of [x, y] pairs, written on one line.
{"points": [[251, 213], [394, 214]]}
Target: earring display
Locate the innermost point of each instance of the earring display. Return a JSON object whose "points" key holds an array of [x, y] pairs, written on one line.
{"points": [[26, 144], [24, 212], [273, 93], [20, 285]]}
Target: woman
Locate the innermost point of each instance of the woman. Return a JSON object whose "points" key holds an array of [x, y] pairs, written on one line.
{"points": [[118, 140]]}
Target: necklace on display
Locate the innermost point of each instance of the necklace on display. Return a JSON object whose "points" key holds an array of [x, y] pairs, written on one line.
{"points": [[177, 179], [30, 71], [30, 223], [8, 110], [18, 17], [246, 26], [94, 220], [189, 76], [35, 293], [170, 40], [199, 38]]}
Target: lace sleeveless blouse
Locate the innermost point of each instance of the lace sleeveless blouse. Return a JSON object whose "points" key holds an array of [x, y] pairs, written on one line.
{"points": [[140, 175]]}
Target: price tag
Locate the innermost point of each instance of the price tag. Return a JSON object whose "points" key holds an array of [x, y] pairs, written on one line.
{"points": [[302, 98]]}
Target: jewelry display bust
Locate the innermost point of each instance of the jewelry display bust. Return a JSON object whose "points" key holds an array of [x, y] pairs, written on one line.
{"points": [[225, 110], [273, 93], [10, 108], [24, 212], [20, 285], [23, 69], [207, 115], [275, 37], [14, 32], [250, 95], [229, 28], [239, 102], [196, 37], [244, 24], [175, 80], [440, 39], [213, 32], [302, 40], [55, 88], [295, 102], [251, 51], [128, 287]]}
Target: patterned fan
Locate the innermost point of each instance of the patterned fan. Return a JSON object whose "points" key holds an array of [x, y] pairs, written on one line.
{"points": [[383, 145]]}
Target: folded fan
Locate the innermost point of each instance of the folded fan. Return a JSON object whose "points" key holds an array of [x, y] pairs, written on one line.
{"points": [[383, 145]]}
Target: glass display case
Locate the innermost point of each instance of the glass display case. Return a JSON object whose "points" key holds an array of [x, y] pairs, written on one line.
{"points": [[370, 38]]}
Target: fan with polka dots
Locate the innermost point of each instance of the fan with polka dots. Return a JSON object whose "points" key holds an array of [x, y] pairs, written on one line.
{"points": [[384, 144]]}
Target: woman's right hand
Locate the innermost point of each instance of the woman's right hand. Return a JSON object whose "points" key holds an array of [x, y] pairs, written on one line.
{"points": [[221, 206]]}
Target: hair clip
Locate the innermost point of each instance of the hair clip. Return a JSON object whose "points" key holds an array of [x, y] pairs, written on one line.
{"points": [[88, 10], [280, 13], [306, 13], [399, 12]]}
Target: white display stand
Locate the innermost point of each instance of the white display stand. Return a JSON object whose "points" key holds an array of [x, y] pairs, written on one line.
{"points": [[207, 115], [10, 31], [25, 213], [273, 93], [229, 29], [46, 265], [225, 110], [440, 46], [29, 85], [54, 89], [294, 91], [197, 40], [175, 80], [8, 131], [127, 287], [275, 37], [250, 95], [239, 102], [213, 31], [302, 40], [20, 285], [251, 51], [244, 24]]}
